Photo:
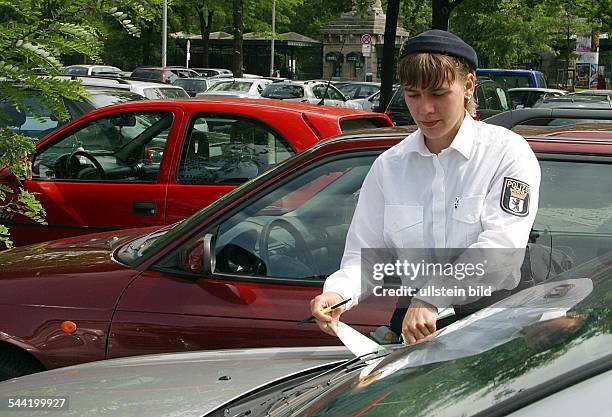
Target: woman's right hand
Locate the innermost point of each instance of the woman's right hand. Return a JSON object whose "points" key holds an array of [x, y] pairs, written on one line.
{"points": [[322, 301]]}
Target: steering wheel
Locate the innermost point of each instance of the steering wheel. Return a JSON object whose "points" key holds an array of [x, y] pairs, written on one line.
{"points": [[73, 157], [301, 248]]}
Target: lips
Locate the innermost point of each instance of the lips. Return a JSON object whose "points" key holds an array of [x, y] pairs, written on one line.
{"points": [[429, 124]]}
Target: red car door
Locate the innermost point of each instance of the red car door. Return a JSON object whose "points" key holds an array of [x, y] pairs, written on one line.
{"points": [[221, 150], [272, 255], [108, 173]]}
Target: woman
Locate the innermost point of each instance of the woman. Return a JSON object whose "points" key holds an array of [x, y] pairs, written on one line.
{"points": [[454, 183]]}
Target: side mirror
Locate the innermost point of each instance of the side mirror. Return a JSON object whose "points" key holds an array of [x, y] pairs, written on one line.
{"points": [[200, 258]]}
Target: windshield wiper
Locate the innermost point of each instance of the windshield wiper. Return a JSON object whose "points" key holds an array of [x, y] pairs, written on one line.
{"points": [[292, 398]]}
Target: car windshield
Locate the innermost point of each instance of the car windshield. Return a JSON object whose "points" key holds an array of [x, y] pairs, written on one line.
{"points": [[283, 91], [155, 93], [106, 98], [542, 334], [191, 83], [238, 86]]}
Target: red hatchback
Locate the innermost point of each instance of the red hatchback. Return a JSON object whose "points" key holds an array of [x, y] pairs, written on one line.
{"points": [[240, 273], [155, 162]]}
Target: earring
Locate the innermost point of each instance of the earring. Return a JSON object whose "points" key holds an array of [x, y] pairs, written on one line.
{"points": [[468, 97]]}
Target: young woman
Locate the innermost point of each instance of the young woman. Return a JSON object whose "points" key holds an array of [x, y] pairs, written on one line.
{"points": [[454, 183]]}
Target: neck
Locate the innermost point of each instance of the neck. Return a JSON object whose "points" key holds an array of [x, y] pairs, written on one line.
{"points": [[437, 145]]}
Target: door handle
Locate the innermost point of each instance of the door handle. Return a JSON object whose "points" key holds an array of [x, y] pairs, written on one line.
{"points": [[144, 208]]}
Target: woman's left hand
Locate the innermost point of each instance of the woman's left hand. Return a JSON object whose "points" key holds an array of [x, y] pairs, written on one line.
{"points": [[419, 321]]}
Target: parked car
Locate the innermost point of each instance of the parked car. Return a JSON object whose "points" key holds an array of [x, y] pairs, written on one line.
{"points": [[37, 120], [209, 72], [607, 94], [544, 122], [164, 75], [156, 162], [372, 103], [576, 101], [150, 90], [91, 70], [194, 85], [240, 272], [236, 87], [309, 92], [491, 98], [514, 78], [528, 96], [518, 362], [357, 89]]}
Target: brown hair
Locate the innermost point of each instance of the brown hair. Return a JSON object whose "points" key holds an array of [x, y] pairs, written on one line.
{"points": [[431, 71]]}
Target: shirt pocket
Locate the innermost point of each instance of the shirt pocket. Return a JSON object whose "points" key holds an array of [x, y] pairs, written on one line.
{"points": [[403, 226], [467, 224]]}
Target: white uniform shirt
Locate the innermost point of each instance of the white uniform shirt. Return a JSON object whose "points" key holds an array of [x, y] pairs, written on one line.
{"points": [[412, 198]]}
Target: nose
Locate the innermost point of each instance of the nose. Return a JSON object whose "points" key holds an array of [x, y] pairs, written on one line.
{"points": [[426, 105]]}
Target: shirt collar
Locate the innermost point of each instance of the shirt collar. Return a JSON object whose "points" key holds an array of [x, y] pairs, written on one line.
{"points": [[462, 143]]}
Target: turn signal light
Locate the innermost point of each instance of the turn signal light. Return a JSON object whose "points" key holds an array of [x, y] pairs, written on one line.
{"points": [[68, 327]]}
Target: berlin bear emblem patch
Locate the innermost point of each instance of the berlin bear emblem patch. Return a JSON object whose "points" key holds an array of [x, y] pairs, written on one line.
{"points": [[515, 197]]}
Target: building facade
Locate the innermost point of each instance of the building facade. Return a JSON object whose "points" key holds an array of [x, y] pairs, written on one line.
{"points": [[343, 56]]}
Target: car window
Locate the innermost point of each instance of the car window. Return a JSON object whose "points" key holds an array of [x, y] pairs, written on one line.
{"points": [[76, 71], [520, 98], [120, 148], [318, 90], [33, 119], [106, 97], [491, 99], [283, 91], [222, 149], [575, 197], [351, 90], [155, 93], [334, 94], [367, 90], [541, 80], [504, 100], [241, 86], [105, 70], [296, 230], [511, 81]]}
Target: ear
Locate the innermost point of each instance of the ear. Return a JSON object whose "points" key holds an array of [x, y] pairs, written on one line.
{"points": [[470, 84]]}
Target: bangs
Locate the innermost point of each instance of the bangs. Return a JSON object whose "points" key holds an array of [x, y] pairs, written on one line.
{"points": [[431, 71]]}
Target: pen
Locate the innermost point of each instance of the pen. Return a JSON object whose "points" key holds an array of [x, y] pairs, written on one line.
{"points": [[326, 310]]}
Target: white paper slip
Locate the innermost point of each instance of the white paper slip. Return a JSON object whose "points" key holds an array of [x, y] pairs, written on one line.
{"points": [[357, 343]]}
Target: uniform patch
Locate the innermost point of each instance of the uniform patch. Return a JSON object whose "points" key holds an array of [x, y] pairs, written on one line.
{"points": [[515, 197]]}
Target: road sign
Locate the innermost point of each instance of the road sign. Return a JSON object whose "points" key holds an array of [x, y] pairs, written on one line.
{"points": [[366, 39], [366, 49]]}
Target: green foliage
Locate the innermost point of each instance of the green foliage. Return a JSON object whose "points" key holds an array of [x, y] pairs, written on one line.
{"points": [[508, 31], [36, 33]]}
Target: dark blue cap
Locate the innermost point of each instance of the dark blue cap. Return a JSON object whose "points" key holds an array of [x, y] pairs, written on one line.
{"points": [[440, 42]]}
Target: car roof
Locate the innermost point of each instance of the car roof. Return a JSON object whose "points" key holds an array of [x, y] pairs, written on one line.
{"points": [[537, 89], [194, 103], [507, 71], [572, 142]]}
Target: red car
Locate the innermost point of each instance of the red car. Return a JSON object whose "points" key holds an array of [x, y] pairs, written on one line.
{"points": [[240, 273], [155, 162]]}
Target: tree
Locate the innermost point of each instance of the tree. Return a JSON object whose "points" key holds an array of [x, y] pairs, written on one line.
{"points": [[36, 33], [388, 66], [238, 32], [440, 12]]}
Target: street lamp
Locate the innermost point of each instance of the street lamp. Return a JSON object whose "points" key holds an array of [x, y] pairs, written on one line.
{"points": [[164, 36], [273, 34]]}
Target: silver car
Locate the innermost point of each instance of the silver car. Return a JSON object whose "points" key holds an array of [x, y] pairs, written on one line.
{"points": [[237, 87], [314, 92], [542, 351]]}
